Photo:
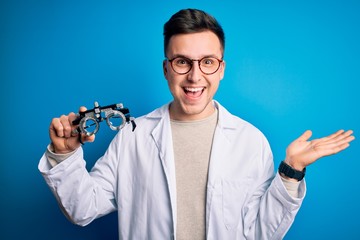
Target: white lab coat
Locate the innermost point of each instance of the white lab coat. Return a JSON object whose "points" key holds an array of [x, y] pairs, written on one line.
{"points": [[136, 177]]}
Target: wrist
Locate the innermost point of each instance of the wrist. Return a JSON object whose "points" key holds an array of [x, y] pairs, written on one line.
{"points": [[294, 164], [52, 148]]}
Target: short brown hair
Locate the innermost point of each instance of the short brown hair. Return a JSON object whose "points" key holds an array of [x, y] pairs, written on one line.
{"points": [[192, 21]]}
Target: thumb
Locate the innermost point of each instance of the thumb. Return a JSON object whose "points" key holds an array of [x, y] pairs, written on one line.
{"points": [[82, 109], [83, 138], [305, 136]]}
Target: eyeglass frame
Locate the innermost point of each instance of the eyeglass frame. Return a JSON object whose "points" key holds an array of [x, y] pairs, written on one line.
{"points": [[192, 63]]}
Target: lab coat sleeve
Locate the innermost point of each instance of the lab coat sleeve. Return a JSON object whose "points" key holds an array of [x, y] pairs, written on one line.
{"points": [[271, 209], [82, 195]]}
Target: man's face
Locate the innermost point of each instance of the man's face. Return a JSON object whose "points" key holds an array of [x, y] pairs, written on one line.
{"points": [[193, 92]]}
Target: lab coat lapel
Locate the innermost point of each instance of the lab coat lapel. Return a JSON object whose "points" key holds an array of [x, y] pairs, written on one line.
{"points": [[218, 160], [221, 143], [219, 149], [163, 140]]}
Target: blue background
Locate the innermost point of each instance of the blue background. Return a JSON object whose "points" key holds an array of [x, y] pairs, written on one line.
{"points": [[290, 67]]}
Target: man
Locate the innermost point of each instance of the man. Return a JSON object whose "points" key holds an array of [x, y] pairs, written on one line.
{"points": [[190, 170]]}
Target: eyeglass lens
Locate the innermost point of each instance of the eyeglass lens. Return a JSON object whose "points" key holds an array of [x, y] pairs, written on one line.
{"points": [[207, 65]]}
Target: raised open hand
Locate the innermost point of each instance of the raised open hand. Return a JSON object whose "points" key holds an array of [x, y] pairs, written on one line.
{"points": [[302, 152]]}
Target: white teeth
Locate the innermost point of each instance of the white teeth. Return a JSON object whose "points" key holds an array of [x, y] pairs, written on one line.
{"points": [[193, 89]]}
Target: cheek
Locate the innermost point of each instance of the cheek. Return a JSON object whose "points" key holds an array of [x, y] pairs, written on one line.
{"points": [[170, 81], [215, 87], [215, 84]]}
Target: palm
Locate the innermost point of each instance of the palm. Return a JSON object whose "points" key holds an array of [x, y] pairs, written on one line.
{"points": [[302, 152]]}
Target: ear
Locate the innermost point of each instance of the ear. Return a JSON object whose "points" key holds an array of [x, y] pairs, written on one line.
{"points": [[222, 70], [165, 70]]}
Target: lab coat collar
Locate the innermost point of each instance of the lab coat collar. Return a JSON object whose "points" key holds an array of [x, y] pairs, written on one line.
{"points": [[225, 118]]}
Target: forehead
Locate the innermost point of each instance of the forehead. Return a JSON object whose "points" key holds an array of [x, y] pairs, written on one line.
{"points": [[195, 45]]}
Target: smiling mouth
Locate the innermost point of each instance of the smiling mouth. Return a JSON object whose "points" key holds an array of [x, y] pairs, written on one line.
{"points": [[193, 92]]}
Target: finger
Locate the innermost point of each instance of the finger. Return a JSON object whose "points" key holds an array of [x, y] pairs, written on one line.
{"points": [[339, 136], [90, 138], [305, 136], [56, 128], [74, 128], [74, 121], [342, 136], [347, 133], [82, 109], [64, 119], [345, 139], [85, 138], [335, 146], [70, 144], [341, 147], [72, 116], [333, 136]]}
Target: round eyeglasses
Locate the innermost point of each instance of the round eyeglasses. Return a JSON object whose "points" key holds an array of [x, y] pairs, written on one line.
{"points": [[207, 65]]}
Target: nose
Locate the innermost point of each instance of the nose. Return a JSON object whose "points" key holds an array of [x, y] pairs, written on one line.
{"points": [[195, 73]]}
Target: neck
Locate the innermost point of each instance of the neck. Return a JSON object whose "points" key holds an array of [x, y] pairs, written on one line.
{"points": [[179, 113]]}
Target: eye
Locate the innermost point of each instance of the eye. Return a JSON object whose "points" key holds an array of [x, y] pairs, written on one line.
{"points": [[182, 62], [208, 61]]}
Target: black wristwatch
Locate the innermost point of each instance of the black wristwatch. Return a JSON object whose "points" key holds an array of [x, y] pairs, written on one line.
{"points": [[290, 172]]}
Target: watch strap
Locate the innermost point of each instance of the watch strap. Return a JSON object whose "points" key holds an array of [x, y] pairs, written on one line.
{"points": [[290, 172]]}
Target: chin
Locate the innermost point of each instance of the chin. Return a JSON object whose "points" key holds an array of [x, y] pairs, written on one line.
{"points": [[196, 111]]}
